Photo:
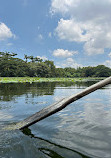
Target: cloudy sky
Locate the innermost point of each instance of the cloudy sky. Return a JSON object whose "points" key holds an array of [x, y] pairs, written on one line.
{"points": [[69, 32]]}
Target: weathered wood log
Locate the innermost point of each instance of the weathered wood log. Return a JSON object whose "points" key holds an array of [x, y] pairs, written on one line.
{"points": [[42, 114]]}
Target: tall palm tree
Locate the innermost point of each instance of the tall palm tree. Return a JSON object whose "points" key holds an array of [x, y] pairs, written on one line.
{"points": [[32, 58], [25, 57], [7, 55], [13, 54]]}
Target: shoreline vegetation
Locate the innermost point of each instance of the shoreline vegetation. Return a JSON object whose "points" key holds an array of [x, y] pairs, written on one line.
{"points": [[36, 79], [38, 69]]}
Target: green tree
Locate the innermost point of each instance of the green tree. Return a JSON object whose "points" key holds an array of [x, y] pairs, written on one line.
{"points": [[87, 71], [69, 72], [102, 71], [13, 67], [25, 57], [39, 70], [31, 58], [36, 59], [60, 72], [52, 67]]}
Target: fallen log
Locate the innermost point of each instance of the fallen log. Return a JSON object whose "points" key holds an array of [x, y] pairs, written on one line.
{"points": [[52, 109]]}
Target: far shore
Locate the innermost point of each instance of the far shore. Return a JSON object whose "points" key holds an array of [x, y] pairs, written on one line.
{"points": [[37, 79]]}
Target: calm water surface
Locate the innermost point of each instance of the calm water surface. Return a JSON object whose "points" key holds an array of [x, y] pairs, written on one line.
{"points": [[81, 130]]}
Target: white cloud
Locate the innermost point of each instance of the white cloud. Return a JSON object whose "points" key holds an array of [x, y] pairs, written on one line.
{"points": [[42, 57], [63, 53], [50, 34], [40, 37], [72, 31], [87, 22], [61, 6], [69, 62], [9, 44], [88, 10], [109, 54], [5, 32], [107, 63]]}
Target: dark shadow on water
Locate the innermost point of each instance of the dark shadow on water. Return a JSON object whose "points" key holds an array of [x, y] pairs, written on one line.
{"points": [[52, 153], [9, 91]]}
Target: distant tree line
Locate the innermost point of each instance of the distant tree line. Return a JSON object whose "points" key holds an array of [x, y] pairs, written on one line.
{"points": [[10, 66]]}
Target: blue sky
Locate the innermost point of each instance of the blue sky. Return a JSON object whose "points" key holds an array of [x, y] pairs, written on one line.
{"points": [[69, 32]]}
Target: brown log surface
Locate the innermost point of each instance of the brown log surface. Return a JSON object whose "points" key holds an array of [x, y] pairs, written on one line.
{"points": [[44, 113]]}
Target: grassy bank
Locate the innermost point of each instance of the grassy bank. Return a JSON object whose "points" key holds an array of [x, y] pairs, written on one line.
{"points": [[36, 79]]}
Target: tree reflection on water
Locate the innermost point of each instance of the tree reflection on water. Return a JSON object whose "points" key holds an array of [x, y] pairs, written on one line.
{"points": [[8, 91]]}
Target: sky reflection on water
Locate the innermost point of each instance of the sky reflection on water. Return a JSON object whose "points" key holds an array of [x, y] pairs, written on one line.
{"points": [[82, 127]]}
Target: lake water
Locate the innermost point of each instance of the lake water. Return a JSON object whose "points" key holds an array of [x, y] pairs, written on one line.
{"points": [[81, 130]]}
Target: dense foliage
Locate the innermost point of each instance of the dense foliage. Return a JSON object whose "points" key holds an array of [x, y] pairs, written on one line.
{"points": [[10, 66]]}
